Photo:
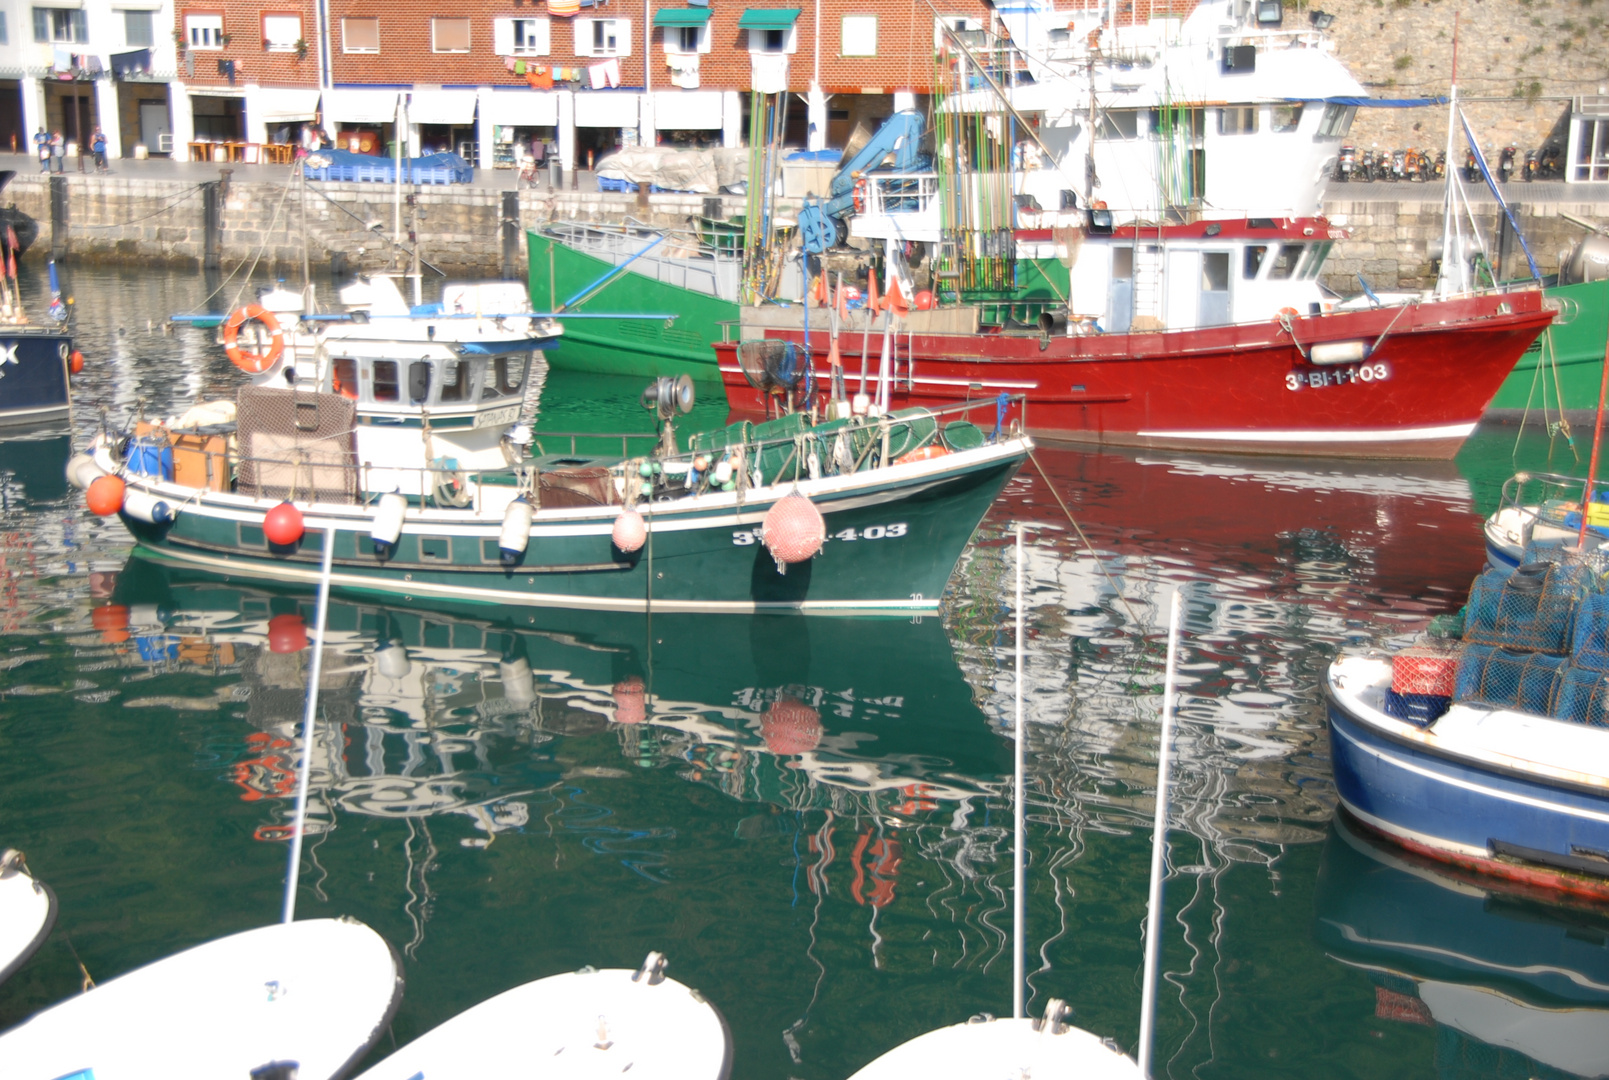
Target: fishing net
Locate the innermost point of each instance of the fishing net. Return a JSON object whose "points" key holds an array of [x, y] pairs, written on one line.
{"points": [[1583, 697], [297, 445], [1508, 679], [1532, 608], [1595, 560], [1590, 637]]}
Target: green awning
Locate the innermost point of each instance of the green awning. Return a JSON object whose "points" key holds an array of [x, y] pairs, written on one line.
{"points": [[768, 18], [681, 16]]}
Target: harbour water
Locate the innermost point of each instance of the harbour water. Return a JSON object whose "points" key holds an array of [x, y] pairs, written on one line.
{"points": [[808, 816]]}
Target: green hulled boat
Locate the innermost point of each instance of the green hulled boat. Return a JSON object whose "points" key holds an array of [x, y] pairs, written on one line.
{"points": [[681, 277], [1560, 372]]}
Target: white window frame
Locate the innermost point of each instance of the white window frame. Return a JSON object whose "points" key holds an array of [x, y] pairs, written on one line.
{"points": [[586, 36], [537, 35], [790, 42], [347, 47], [844, 34], [453, 19], [673, 41], [204, 32], [277, 44]]}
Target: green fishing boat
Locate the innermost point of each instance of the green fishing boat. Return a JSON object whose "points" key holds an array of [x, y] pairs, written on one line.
{"points": [[1561, 372], [588, 270]]}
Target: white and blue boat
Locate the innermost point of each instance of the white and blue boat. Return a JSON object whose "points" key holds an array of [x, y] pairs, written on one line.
{"points": [[1491, 753], [1544, 507]]}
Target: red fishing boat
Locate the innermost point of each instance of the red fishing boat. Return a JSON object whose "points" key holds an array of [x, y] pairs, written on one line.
{"points": [[1208, 335]]}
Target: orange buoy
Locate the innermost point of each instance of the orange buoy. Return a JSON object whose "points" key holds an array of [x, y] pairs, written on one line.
{"points": [[924, 300], [790, 727], [75, 362], [105, 495], [861, 188], [631, 701], [283, 525], [287, 633], [794, 530], [926, 453], [112, 621], [629, 532], [251, 362]]}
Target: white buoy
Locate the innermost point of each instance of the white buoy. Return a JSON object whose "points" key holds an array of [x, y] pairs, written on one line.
{"points": [[519, 685], [588, 1024], [391, 659], [516, 533], [27, 912], [82, 471], [318, 993], [143, 506], [386, 529]]}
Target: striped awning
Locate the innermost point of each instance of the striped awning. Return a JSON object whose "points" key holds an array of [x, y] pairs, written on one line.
{"points": [[768, 18]]}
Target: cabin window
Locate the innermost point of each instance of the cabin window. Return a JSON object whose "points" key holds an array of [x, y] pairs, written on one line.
{"points": [[435, 549], [344, 377], [1179, 120], [508, 375], [386, 387], [1118, 124], [1214, 304], [1255, 253], [1284, 118], [1337, 121], [419, 381], [454, 381], [1237, 120], [1316, 254], [1285, 262]]}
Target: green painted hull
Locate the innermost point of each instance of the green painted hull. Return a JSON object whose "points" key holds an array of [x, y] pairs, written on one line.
{"points": [[639, 347], [1565, 365], [892, 544]]}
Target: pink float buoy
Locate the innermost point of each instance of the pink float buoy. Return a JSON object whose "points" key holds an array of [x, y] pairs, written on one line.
{"points": [[631, 705], [790, 727], [794, 530], [629, 532]]}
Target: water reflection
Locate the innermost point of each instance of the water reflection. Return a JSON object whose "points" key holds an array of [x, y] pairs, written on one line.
{"points": [[1515, 983]]}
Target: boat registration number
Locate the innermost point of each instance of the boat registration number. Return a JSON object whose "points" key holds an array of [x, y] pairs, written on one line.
{"points": [[497, 417], [871, 532], [1319, 378]]}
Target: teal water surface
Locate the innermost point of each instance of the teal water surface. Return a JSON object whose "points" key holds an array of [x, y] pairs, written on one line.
{"points": [[810, 817]]}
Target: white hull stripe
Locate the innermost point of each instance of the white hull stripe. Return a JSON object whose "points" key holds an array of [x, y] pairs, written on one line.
{"points": [[1417, 837], [1406, 434], [289, 572], [1472, 786]]}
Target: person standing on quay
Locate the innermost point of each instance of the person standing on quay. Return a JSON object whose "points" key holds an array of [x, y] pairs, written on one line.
{"points": [[58, 153], [97, 146], [42, 149]]}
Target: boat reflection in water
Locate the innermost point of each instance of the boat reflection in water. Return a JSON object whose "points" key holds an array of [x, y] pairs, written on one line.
{"points": [[1515, 983], [420, 708]]}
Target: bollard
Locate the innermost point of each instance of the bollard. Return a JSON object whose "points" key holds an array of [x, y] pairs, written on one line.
{"points": [[511, 234], [58, 217], [209, 224]]}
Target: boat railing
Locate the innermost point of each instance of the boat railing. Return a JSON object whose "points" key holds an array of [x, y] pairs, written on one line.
{"points": [[207, 462], [1525, 491]]}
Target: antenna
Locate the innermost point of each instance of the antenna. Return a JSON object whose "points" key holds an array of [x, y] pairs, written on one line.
{"points": [[1019, 916], [309, 720], [1159, 844]]}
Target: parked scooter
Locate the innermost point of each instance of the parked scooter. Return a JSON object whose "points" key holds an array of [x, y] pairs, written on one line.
{"points": [[1412, 165], [1399, 165], [1439, 170], [1346, 164], [1550, 162], [1505, 164], [1531, 165], [1472, 171]]}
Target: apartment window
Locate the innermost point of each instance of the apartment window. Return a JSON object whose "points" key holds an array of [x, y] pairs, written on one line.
{"points": [[770, 40], [360, 35], [859, 36], [449, 35], [61, 25], [139, 29], [603, 37], [1118, 124], [522, 37], [962, 24], [1337, 121], [1237, 120], [204, 31], [687, 40], [1285, 118], [281, 32]]}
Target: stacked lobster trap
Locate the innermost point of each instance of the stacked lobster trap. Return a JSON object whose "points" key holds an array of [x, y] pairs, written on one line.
{"points": [[1534, 639]]}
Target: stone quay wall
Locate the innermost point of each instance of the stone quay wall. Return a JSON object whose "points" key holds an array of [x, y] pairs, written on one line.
{"points": [[1395, 235]]}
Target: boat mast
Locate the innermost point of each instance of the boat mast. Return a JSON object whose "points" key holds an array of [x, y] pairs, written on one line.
{"points": [[1449, 220]]}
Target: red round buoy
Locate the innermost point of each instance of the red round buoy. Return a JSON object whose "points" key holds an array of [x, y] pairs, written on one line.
{"points": [[287, 633], [112, 621], [75, 362], [105, 495], [790, 727], [283, 525], [631, 703], [794, 529], [924, 300], [629, 532]]}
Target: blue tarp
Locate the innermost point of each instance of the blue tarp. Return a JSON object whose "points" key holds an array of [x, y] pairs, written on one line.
{"points": [[1379, 103], [430, 169], [829, 157]]}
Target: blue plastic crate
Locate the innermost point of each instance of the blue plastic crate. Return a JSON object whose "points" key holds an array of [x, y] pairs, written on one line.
{"points": [[606, 184]]}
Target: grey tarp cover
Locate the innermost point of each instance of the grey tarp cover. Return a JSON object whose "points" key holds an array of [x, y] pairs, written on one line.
{"points": [[703, 172]]}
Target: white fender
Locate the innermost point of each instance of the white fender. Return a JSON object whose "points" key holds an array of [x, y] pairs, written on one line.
{"points": [[519, 685], [516, 534], [82, 471], [389, 510], [391, 660], [143, 506]]}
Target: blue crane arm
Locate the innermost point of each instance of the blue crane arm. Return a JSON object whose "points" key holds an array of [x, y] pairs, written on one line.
{"points": [[900, 135]]}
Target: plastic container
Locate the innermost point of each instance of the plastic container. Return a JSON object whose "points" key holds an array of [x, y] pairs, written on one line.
{"points": [[1421, 710], [150, 457], [1424, 671]]}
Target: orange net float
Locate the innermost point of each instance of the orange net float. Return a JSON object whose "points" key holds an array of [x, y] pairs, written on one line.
{"points": [[253, 363], [790, 727], [926, 453], [861, 187]]}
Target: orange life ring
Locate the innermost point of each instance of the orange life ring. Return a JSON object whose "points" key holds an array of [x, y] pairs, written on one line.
{"points": [[250, 362], [1289, 313], [860, 196], [926, 453]]}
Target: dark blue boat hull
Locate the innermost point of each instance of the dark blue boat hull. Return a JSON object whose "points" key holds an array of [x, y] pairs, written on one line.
{"points": [[33, 376]]}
